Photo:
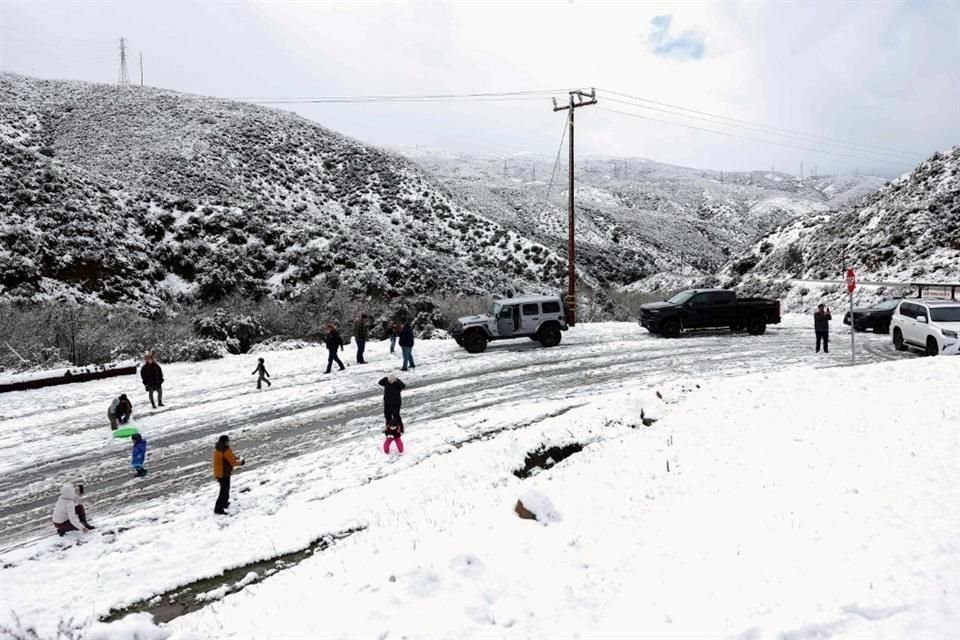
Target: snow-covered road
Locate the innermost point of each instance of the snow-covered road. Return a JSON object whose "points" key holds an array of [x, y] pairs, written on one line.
{"points": [[55, 435]]}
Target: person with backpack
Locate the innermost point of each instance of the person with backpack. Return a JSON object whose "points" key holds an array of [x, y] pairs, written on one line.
{"points": [[120, 411], [360, 331], [138, 456], [406, 346], [392, 386], [821, 326], [334, 343], [224, 462], [262, 370], [393, 431], [152, 376], [68, 513]]}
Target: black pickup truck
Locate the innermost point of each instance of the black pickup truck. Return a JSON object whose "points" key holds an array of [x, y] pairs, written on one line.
{"points": [[709, 308]]}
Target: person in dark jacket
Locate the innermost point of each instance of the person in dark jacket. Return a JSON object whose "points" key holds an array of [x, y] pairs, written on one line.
{"points": [[360, 331], [120, 411], [392, 386], [393, 431], [334, 343], [224, 463], [262, 370], [394, 332], [406, 346], [152, 376], [139, 455], [821, 326]]}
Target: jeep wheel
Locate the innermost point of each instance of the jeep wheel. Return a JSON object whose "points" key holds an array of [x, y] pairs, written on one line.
{"points": [[475, 342], [670, 328], [550, 336], [932, 347], [756, 326], [898, 340]]}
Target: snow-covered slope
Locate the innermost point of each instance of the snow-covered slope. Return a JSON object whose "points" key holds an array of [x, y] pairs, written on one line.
{"points": [[636, 217], [135, 195], [907, 231]]}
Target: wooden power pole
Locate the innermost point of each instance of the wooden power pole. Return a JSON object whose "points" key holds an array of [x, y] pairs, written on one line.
{"points": [[578, 99]]}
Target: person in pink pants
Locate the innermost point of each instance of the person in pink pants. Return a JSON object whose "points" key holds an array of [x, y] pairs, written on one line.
{"points": [[393, 431]]}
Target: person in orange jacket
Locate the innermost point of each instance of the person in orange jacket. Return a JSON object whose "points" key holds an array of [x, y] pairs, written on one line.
{"points": [[223, 464]]}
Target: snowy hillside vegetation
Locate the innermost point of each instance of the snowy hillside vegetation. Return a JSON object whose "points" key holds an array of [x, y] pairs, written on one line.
{"points": [[146, 195], [636, 217], [908, 231]]}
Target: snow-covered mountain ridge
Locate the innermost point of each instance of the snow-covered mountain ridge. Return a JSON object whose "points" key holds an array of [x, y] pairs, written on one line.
{"points": [[908, 231], [139, 195], [637, 217]]}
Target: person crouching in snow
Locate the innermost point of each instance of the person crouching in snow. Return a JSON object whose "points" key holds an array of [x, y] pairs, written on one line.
{"points": [[68, 513], [120, 411], [223, 463], [262, 370], [393, 431], [391, 398], [139, 455]]}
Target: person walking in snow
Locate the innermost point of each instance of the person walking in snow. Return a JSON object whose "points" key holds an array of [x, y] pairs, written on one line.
{"points": [[262, 370], [138, 456], [393, 431], [68, 513], [224, 463], [360, 331], [394, 332], [392, 386], [334, 343], [406, 346], [821, 326], [120, 411], [152, 376]]}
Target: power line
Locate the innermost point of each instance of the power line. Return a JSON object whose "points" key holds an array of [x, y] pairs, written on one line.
{"points": [[755, 124], [745, 137], [525, 95], [758, 129], [556, 162]]}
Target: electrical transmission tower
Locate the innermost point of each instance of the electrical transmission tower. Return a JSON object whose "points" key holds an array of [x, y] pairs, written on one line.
{"points": [[577, 100], [124, 79]]}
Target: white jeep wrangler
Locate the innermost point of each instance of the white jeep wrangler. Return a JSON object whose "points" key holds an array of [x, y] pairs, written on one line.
{"points": [[539, 318]]}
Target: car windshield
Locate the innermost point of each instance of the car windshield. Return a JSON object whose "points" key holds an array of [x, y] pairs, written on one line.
{"points": [[945, 314], [681, 297], [887, 304]]}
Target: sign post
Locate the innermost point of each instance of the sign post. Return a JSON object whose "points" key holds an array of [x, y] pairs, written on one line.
{"points": [[851, 285]]}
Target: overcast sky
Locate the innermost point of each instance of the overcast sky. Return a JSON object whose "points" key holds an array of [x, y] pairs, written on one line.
{"points": [[884, 74]]}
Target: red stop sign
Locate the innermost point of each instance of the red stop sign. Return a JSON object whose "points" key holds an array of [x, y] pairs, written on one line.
{"points": [[851, 281]]}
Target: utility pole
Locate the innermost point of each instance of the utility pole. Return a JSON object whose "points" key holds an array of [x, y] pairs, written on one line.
{"points": [[124, 78], [504, 167], [801, 171], [578, 99], [141, 68]]}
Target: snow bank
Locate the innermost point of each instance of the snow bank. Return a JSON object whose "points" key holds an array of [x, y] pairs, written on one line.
{"points": [[800, 504]]}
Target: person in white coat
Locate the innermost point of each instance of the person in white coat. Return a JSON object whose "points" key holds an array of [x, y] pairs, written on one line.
{"points": [[68, 513]]}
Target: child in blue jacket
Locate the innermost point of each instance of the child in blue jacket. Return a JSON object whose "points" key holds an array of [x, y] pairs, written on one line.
{"points": [[139, 457]]}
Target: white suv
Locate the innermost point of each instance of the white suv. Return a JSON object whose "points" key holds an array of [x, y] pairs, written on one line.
{"points": [[931, 325], [539, 318]]}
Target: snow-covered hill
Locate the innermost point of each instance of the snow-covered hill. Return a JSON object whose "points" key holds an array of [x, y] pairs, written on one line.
{"points": [[636, 217], [142, 194], [908, 231]]}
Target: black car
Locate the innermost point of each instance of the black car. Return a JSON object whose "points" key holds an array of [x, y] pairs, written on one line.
{"points": [[876, 317]]}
